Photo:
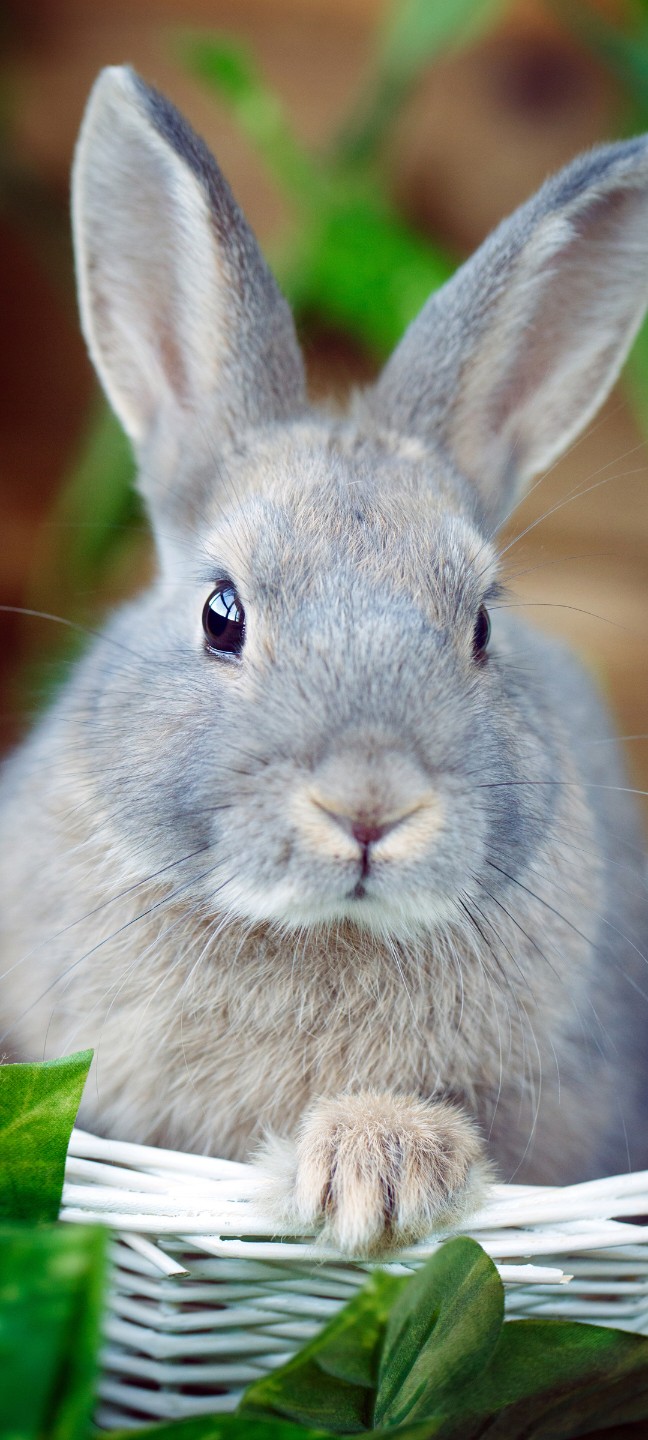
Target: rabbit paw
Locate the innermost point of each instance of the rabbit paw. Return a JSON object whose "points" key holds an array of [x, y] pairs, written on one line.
{"points": [[376, 1171]]}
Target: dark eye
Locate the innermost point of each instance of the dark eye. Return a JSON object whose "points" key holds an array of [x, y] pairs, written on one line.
{"points": [[481, 635], [223, 620]]}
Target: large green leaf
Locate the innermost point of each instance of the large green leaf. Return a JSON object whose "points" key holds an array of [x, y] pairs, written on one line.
{"points": [[553, 1380], [51, 1283], [430, 1356], [332, 1381], [223, 1427], [38, 1106], [441, 1333]]}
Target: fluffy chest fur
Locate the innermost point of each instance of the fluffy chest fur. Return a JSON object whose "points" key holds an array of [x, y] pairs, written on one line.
{"points": [[207, 1031]]}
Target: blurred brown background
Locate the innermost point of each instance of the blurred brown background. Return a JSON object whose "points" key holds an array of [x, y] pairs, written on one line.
{"points": [[483, 130]]}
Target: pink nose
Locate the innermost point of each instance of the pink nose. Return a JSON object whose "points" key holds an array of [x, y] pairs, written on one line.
{"points": [[365, 826], [367, 834], [365, 830]]}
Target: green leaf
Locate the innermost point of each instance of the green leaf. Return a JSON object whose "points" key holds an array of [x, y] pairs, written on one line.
{"points": [[38, 1106], [51, 1283], [624, 52], [441, 1333], [228, 68], [98, 499], [222, 1427], [416, 32], [637, 376], [553, 1380], [413, 35], [332, 1380], [362, 268]]}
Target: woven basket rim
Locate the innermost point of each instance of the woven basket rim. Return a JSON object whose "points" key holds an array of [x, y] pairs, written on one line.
{"points": [[216, 1206]]}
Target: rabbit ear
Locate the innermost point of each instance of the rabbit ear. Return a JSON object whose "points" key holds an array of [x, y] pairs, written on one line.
{"points": [[514, 355], [179, 310]]}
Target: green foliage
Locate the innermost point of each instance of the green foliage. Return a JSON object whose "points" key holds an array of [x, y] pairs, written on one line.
{"points": [[440, 1335], [621, 45], [414, 34], [229, 69], [51, 1288], [333, 1379], [98, 499], [223, 1427], [38, 1106], [556, 1378], [362, 270], [90, 526]]}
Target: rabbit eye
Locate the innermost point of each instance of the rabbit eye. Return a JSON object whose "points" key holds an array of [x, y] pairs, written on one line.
{"points": [[481, 634], [223, 620]]}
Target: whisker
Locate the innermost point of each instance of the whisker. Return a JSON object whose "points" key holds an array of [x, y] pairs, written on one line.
{"points": [[150, 910], [72, 625]]}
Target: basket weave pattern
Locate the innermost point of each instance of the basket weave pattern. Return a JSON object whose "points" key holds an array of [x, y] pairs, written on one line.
{"points": [[203, 1299]]}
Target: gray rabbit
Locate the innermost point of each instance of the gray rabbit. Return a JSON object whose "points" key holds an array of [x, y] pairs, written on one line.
{"points": [[312, 859]]}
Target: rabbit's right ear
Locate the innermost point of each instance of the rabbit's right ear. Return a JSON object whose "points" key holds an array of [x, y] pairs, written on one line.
{"points": [[180, 311], [507, 363]]}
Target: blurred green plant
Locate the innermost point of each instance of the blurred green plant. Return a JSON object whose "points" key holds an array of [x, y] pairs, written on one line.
{"points": [[91, 540], [621, 46], [52, 1277]]}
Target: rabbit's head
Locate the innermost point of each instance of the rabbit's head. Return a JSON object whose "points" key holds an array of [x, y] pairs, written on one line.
{"points": [[307, 701]]}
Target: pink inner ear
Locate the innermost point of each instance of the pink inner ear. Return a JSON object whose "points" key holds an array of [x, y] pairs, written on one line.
{"points": [[126, 262]]}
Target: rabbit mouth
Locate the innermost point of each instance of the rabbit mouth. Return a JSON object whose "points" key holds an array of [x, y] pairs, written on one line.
{"points": [[367, 900]]}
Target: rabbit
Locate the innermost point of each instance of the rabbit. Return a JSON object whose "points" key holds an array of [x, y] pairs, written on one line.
{"points": [[319, 847]]}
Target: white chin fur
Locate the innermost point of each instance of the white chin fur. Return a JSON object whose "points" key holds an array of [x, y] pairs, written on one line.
{"points": [[379, 914]]}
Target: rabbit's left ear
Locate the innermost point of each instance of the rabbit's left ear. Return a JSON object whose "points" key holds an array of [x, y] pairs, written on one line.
{"points": [[507, 363], [180, 311]]}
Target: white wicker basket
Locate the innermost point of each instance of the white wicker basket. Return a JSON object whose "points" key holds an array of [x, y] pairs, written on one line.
{"points": [[203, 1300]]}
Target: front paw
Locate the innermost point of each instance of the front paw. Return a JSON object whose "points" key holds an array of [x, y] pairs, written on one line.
{"points": [[375, 1171]]}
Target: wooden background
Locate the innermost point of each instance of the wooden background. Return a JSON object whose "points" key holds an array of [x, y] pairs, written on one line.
{"points": [[483, 131]]}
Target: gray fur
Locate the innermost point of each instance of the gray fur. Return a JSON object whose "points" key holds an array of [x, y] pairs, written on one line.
{"points": [[180, 887]]}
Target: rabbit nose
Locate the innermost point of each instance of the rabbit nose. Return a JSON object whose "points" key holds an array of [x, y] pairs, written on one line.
{"points": [[365, 829], [367, 834]]}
